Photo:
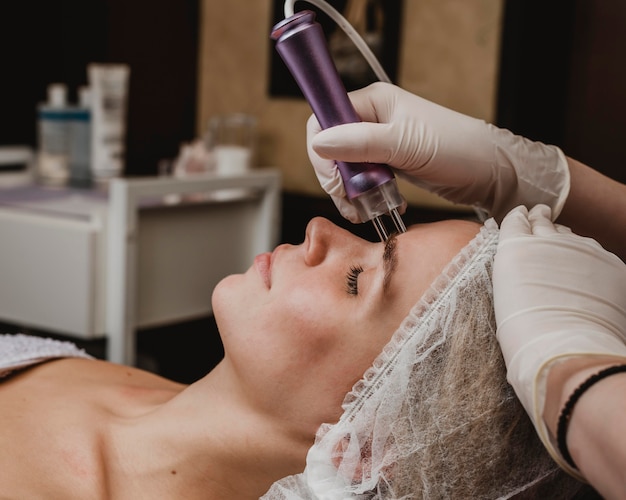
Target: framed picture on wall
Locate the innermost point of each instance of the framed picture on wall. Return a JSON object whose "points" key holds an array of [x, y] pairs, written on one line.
{"points": [[376, 21]]}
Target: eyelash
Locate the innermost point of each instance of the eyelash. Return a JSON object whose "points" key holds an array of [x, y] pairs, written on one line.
{"points": [[352, 278]]}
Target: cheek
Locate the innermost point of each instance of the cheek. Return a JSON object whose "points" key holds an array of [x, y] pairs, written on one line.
{"points": [[308, 320], [332, 336], [297, 324]]}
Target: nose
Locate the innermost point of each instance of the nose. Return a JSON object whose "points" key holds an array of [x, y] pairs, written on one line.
{"points": [[321, 236]]}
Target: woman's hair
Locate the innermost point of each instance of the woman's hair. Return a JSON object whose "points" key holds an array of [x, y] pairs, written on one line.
{"points": [[434, 416]]}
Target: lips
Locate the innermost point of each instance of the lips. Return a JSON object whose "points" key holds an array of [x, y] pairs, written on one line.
{"points": [[263, 265]]}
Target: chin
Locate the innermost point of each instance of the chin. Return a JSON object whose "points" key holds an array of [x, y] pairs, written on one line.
{"points": [[226, 300], [222, 292]]}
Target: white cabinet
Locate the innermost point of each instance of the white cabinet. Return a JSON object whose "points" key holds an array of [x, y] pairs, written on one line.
{"points": [[91, 264]]}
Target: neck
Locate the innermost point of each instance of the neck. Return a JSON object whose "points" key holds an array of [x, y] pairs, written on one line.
{"points": [[205, 442]]}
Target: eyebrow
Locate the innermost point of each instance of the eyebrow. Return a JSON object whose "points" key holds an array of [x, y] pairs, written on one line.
{"points": [[390, 261]]}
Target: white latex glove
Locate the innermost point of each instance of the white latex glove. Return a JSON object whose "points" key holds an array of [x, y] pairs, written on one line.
{"points": [[557, 295], [460, 158]]}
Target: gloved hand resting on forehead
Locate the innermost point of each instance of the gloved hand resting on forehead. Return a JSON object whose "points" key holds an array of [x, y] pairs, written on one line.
{"points": [[460, 158]]}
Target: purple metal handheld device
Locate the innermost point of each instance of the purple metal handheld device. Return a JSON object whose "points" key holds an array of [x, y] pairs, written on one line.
{"points": [[371, 187]]}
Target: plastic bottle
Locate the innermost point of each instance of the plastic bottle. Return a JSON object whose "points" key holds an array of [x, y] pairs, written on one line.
{"points": [[52, 152], [79, 140]]}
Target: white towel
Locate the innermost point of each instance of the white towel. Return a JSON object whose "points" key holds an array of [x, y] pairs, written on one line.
{"points": [[19, 351]]}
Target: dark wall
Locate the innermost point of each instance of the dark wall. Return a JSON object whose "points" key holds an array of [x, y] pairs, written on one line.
{"points": [[282, 84], [563, 80], [53, 41], [535, 52], [595, 121]]}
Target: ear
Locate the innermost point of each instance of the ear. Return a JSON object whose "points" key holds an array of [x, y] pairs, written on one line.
{"points": [[363, 469], [339, 450]]}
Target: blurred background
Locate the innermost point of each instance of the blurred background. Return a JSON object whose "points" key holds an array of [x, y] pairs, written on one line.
{"points": [[552, 71]]}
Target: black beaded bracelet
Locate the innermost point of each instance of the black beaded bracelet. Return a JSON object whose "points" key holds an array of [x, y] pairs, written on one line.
{"points": [[566, 413]]}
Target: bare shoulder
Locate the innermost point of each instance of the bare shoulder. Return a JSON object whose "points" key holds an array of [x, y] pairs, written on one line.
{"points": [[78, 373], [54, 417]]}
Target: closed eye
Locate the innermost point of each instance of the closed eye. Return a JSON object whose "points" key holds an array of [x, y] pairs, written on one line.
{"points": [[352, 280]]}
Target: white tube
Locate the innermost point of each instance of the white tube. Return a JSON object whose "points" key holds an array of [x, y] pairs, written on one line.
{"points": [[343, 23], [109, 96]]}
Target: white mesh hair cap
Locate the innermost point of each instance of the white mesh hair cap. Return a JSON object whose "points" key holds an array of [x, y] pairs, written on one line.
{"points": [[434, 417]]}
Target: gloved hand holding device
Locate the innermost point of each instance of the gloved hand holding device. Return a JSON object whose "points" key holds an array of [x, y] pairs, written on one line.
{"points": [[557, 296], [460, 158]]}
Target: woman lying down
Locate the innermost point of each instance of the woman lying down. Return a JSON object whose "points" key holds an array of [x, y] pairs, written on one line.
{"points": [[316, 396]]}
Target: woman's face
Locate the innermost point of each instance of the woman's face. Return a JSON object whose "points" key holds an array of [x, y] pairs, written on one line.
{"points": [[302, 325]]}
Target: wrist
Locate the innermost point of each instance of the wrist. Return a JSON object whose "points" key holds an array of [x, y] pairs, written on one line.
{"points": [[564, 378], [529, 173], [567, 388]]}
